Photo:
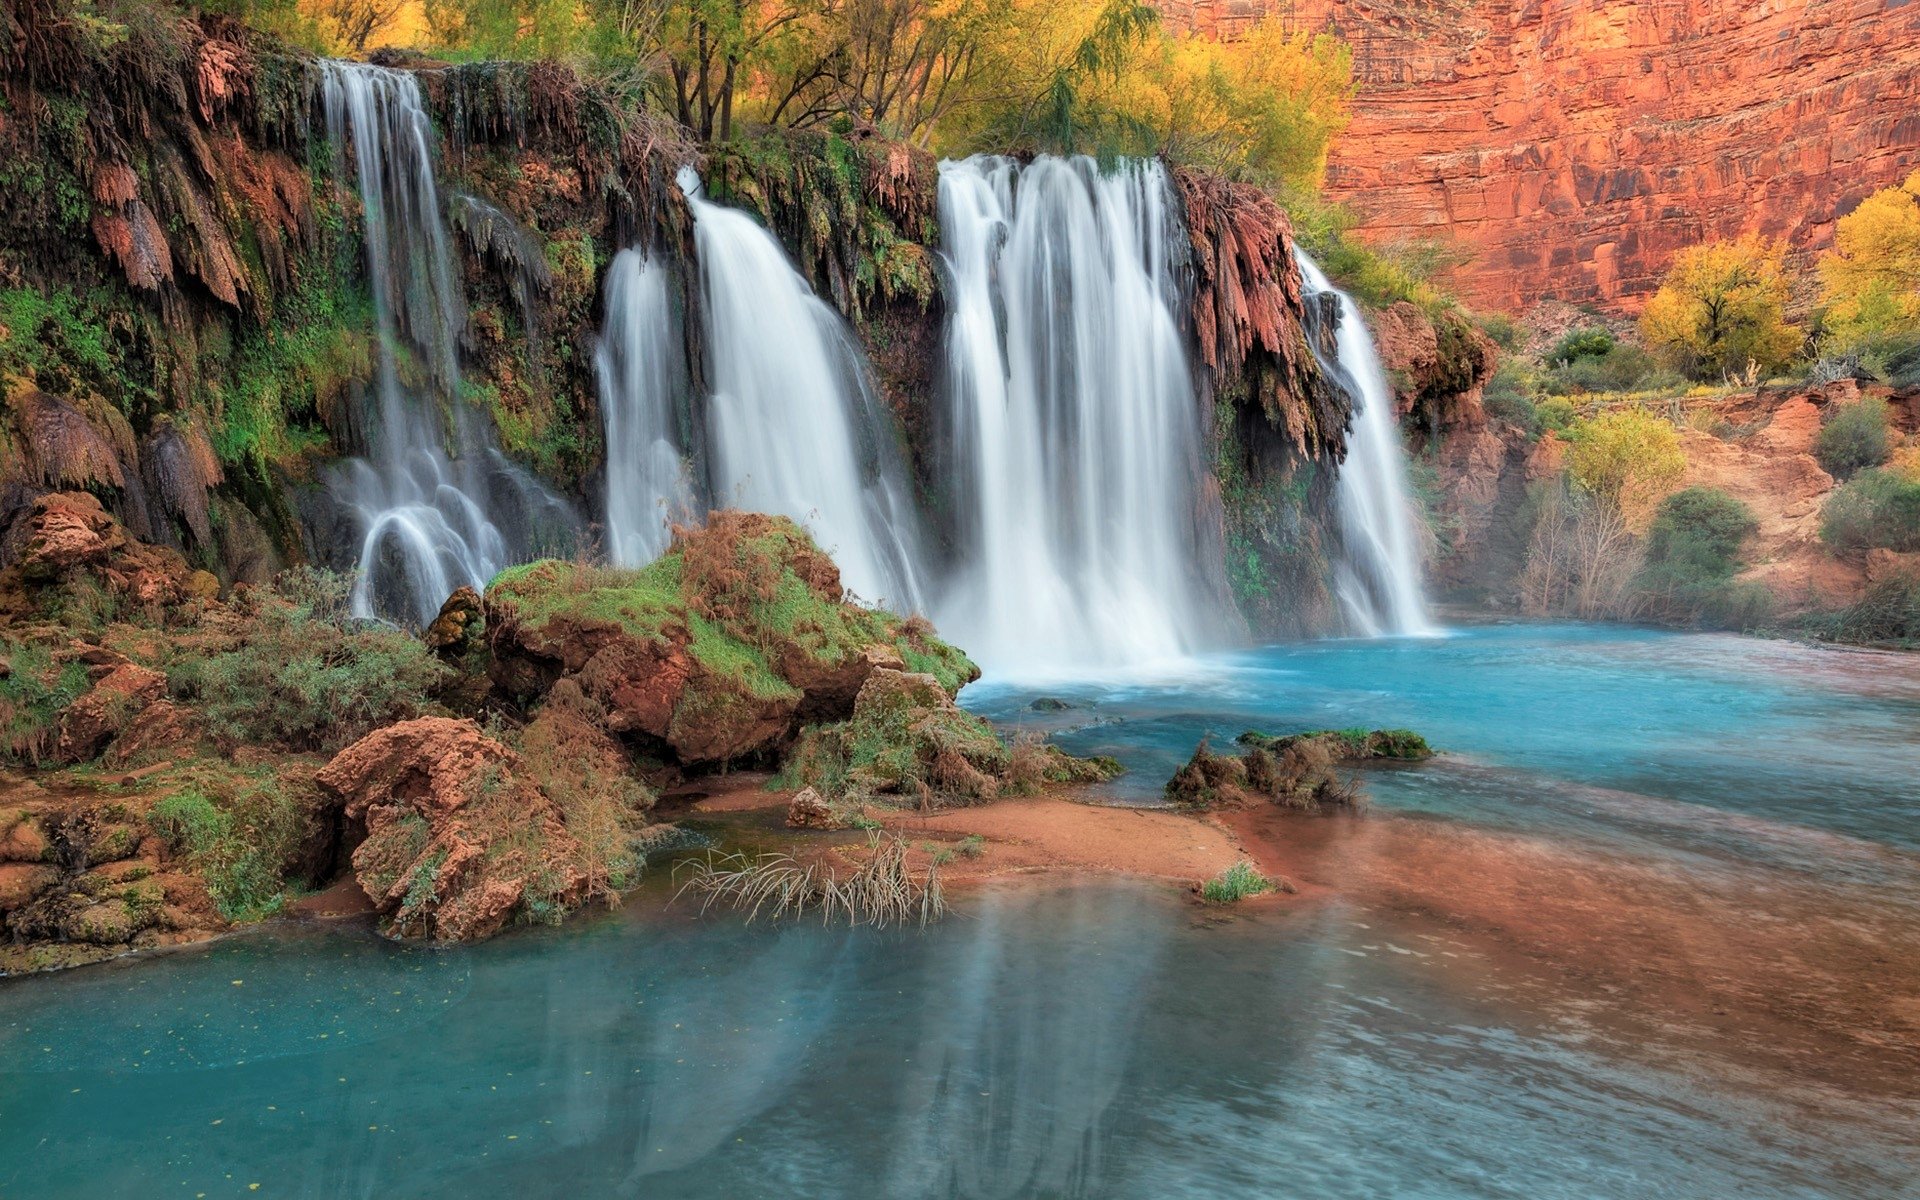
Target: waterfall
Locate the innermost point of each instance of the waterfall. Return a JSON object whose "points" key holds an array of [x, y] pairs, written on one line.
{"points": [[793, 424], [1076, 432], [647, 486], [1379, 580], [429, 521]]}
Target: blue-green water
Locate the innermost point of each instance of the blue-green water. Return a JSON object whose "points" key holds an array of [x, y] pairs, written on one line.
{"points": [[1101, 1040]]}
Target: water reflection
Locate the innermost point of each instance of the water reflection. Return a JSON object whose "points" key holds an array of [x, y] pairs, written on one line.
{"points": [[1097, 1041]]}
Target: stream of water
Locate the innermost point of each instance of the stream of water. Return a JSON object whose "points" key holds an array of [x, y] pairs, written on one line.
{"points": [[1379, 579], [438, 506], [793, 424], [1418, 1023], [1075, 430]]}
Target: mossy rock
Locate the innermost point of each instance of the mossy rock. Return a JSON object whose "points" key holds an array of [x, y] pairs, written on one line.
{"points": [[908, 740], [1349, 745], [723, 648]]}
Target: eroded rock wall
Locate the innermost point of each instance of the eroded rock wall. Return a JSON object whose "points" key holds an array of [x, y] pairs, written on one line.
{"points": [[1571, 146]]}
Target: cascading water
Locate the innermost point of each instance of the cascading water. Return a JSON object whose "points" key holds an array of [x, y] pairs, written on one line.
{"points": [[1379, 581], [647, 486], [428, 520], [1076, 438], [793, 425]]}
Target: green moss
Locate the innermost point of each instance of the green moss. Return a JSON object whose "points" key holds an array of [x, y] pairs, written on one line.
{"points": [[1349, 745], [780, 609]]}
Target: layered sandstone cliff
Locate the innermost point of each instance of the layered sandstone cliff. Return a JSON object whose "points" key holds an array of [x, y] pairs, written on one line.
{"points": [[1571, 146]]}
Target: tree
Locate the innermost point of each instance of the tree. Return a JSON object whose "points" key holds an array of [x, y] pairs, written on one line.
{"points": [[1870, 280], [1626, 459], [1721, 310], [355, 22]]}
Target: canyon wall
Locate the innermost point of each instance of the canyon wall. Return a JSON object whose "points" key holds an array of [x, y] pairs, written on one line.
{"points": [[1571, 146]]}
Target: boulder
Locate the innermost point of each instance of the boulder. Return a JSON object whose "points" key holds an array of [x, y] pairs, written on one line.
{"points": [[106, 710], [720, 650], [459, 838], [459, 627], [66, 535], [809, 810], [64, 531]]}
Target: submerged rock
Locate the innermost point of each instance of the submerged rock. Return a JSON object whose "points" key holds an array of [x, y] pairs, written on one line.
{"points": [[1296, 771], [1348, 745], [722, 649]]}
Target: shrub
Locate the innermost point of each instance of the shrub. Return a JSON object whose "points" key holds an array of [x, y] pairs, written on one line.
{"points": [[1702, 526], [1627, 458], [303, 674], [1876, 508], [241, 838], [1889, 612], [1625, 368], [1581, 343], [1556, 413], [1693, 553], [1235, 884], [1854, 437], [33, 694], [1508, 397]]}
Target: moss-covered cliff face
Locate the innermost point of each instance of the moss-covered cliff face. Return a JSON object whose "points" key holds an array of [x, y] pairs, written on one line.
{"points": [[186, 330], [185, 326]]}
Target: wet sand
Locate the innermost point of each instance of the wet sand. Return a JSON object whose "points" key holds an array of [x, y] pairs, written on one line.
{"points": [[1778, 975]]}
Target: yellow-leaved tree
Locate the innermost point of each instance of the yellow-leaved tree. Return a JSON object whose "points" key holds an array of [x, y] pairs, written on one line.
{"points": [[1721, 311], [1870, 280], [1627, 458]]}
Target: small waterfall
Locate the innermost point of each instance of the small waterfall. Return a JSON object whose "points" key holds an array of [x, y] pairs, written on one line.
{"points": [[647, 485], [428, 519], [1379, 583], [1076, 433], [793, 424]]}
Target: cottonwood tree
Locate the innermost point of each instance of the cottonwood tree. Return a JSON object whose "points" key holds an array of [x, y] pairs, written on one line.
{"points": [[1721, 310]]}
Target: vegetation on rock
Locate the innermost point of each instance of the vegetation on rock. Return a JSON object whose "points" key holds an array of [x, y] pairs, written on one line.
{"points": [[1296, 772], [907, 741], [721, 649]]}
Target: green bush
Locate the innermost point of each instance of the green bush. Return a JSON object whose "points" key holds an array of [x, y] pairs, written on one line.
{"points": [[1581, 343], [1556, 413], [1235, 884], [1693, 554], [304, 674], [241, 841], [1509, 397], [1854, 438], [1703, 527], [1624, 368], [1876, 508]]}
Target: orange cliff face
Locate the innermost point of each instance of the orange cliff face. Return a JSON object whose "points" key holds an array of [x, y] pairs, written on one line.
{"points": [[1572, 146]]}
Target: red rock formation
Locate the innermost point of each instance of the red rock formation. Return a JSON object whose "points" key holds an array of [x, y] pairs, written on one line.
{"points": [[1572, 147], [459, 838]]}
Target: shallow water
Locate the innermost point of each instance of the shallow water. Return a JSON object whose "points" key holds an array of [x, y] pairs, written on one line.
{"points": [[1102, 1040]]}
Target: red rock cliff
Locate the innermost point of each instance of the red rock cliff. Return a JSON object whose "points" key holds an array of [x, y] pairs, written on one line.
{"points": [[1571, 146]]}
